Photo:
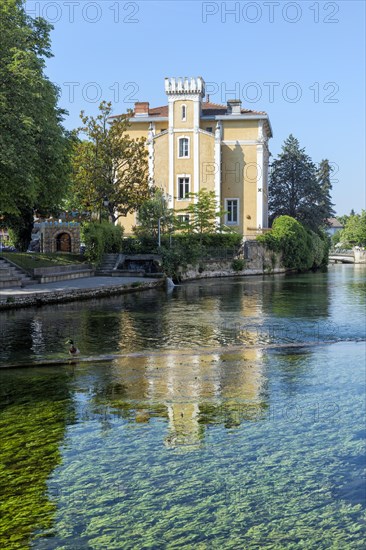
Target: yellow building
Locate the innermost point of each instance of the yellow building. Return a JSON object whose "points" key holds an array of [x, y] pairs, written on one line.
{"points": [[195, 144]]}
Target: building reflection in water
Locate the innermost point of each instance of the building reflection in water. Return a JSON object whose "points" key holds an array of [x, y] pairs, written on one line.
{"points": [[190, 390], [202, 374]]}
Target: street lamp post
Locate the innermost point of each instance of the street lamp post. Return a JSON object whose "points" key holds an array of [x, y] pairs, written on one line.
{"points": [[105, 203], [159, 230]]}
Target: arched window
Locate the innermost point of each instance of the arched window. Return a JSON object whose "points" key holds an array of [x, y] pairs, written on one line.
{"points": [[184, 112], [183, 149]]}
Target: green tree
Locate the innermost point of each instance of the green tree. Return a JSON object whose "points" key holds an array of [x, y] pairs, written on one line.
{"points": [[109, 164], [354, 232], [324, 181], [203, 214], [297, 189], [101, 238], [301, 249], [34, 147], [150, 212], [336, 238], [343, 219]]}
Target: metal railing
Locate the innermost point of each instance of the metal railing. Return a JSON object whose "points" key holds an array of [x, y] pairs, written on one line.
{"points": [[212, 253], [341, 252]]}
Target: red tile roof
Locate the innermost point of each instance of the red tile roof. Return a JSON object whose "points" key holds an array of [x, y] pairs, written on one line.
{"points": [[159, 111], [208, 109]]}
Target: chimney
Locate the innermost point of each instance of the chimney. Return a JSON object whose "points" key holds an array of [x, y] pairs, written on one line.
{"points": [[234, 107], [142, 108]]}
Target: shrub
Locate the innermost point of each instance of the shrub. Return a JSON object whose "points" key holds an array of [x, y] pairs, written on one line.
{"points": [[173, 260], [210, 240], [327, 243], [140, 245], [317, 249], [101, 238], [181, 249], [238, 264], [290, 238], [301, 249]]}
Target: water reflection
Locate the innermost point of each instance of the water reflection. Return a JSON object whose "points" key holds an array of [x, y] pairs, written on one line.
{"points": [[190, 390], [202, 426], [211, 313]]}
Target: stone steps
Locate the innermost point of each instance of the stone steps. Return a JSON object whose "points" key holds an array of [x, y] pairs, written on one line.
{"points": [[108, 264], [129, 265], [13, 276]]}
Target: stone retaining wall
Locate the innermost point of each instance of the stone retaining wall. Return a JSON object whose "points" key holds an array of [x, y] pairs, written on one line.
{"points": [[258, 261], [62, 272], [224, 269], [60, 296], [360, 255], [55, 270]]}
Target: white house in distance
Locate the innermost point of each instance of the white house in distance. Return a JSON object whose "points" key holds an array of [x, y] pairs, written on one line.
{"points": [[334, 226]]}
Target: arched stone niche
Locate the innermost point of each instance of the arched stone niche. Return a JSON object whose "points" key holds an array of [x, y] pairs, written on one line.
{"points": [[61, 237]]}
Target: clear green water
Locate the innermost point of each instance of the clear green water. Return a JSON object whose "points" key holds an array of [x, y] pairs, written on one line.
{"points": [[229, 415]]}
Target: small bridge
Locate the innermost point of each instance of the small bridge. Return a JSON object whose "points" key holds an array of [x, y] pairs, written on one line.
{"points": [[342, 256]]}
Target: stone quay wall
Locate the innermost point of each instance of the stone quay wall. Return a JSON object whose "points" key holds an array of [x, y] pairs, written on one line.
{"points": [[257, 261], [62, 296], [360, 255]]}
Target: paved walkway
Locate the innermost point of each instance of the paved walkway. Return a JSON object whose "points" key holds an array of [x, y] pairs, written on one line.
{"points": [[73, 284]]}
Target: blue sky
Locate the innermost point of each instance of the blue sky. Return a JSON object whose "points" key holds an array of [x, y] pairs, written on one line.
{"points": [[302, 62]]}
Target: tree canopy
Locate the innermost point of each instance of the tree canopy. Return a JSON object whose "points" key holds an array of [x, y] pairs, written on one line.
{"points": [[109, 165], [34, 147], [203, 212], [354, 232], [150, 212], [298, 189], [301, 248]]}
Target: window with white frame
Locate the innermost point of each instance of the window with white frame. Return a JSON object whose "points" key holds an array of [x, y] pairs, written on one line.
{"points": [[184, 112], [183, 187], [183, 148], [183, 218], [232, 211]]}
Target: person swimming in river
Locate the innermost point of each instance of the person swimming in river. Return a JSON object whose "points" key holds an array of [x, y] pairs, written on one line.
{"points": [[73, 350]]}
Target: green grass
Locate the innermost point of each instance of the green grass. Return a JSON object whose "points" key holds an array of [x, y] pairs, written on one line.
{"points": [[29, 261]]}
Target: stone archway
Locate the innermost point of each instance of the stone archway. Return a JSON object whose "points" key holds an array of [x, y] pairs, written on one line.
{"points": [[60, 237], [63, 242]]}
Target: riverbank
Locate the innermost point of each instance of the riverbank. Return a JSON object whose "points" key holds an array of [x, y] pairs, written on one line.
{"points": [[100, 287], [74, 290], [214, 270]]}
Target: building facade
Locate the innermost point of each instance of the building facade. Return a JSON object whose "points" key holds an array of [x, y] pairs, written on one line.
{"points": [[333, 226], [194, 144]]}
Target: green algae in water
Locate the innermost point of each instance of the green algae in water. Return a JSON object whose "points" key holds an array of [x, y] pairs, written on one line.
{"points": [[34, 411], [287, 478], [282, 479]]}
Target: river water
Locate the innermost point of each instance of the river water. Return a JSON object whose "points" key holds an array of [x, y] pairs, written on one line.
{"points": [[227, 413]]}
